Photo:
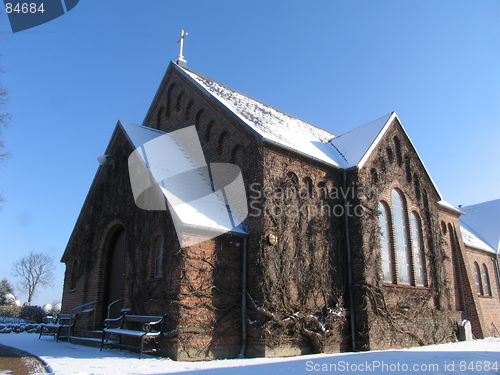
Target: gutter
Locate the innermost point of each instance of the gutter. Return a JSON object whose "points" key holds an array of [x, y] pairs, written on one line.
{"points": [[349, 266]]}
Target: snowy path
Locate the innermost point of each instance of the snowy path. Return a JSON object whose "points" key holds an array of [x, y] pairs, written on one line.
{"points": [[69, 359]]}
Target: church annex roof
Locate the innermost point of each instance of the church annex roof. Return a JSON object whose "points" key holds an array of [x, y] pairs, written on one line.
{"points": [[484, 220], [471, 240], [356, 145]]}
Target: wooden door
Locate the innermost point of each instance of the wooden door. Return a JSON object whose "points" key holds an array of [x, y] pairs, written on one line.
{"points": [[116, 274]]}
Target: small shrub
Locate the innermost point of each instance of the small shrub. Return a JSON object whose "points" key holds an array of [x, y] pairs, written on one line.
{"points": [[32, 314]]}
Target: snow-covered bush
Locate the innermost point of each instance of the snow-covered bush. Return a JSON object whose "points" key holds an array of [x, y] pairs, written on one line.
{"points": [[9, 299], [47, 309], [56, 309]]}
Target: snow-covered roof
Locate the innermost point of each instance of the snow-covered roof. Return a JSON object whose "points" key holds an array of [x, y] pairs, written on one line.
{"points": [[470, 239], [268, 123], [356, 145], [197, 199], [351, 149], [450, 207], [484, 220]]}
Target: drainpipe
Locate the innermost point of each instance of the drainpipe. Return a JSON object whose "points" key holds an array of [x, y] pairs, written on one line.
{"points": [[244, 299], [349, 265], [497, 272]]}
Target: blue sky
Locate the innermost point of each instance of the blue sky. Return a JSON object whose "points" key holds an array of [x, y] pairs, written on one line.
{"points": [[336, 64]]}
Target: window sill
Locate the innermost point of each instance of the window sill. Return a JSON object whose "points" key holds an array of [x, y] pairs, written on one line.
{"points": [[485, 296], [405, 286], [72, 291], [155, 279]]}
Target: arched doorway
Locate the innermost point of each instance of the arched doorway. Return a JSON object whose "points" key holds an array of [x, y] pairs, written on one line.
{"points": [[115, 274]]}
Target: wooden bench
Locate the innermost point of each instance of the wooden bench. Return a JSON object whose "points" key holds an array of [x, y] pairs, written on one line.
{"points": [[61, 323], [143, 327]]}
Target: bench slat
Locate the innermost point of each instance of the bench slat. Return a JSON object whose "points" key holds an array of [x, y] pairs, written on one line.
{"points": [[124, 331]]}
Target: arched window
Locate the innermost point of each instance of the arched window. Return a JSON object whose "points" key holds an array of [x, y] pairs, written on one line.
{"points": [[418, 250], [374, 174], [401, 237], [322, 190], [477, 276], [197, 121], [292, 177], [416, 183], [74, 275], [220, 143], [236, 154], [443, 227], [384, 223], [208, 130], [486, 281], [397, 147], [187, 113], [159, 117], [408, 169], [179, 101], [169, 99], [158, 258], [390, 155], [309, 187]]}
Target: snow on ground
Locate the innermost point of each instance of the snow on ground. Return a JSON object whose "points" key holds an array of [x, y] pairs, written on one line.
{"points": [[473, 357]]}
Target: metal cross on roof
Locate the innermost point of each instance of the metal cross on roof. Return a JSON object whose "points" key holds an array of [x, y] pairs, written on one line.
{"points": [[180, 59]]}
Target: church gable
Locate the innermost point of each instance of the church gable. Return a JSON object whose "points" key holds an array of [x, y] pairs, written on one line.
{"points": [[397, 242]]}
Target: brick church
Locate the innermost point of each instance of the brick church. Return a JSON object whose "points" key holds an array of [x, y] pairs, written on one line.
{"points": [[345, 242]]}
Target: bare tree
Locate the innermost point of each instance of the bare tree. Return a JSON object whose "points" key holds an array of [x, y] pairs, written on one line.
{"points": [[33, 270]]}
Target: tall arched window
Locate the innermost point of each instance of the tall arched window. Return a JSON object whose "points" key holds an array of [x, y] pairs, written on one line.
{"points": [[401, 237], [159, 117], [477, 276], [384, 223], [418, 250], [486, 281], [158, 258]]}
